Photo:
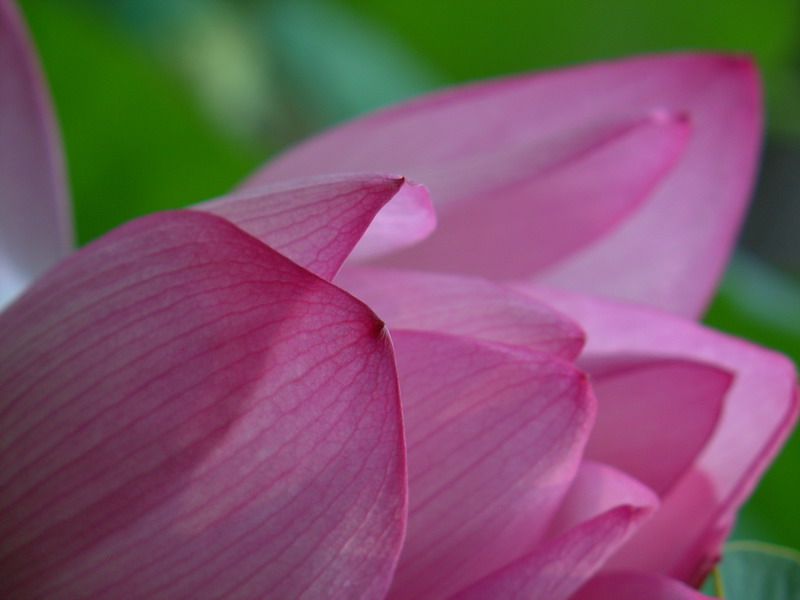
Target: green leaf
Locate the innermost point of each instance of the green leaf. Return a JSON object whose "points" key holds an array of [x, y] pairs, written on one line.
{"points": [[758, 571]]}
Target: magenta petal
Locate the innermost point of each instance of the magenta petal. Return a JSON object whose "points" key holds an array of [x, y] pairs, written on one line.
{"points": [[655, 414], [636, 586], [494, 437], [464, 306], [35, 229], [759, 411], [317, 221], [600, 512], [487, 141], [188, 414]]}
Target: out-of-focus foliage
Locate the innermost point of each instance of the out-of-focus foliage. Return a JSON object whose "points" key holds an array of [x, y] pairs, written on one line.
{"points": [[167, 102], [756, 571], [759, 302], [466, 40], [134, 138]]}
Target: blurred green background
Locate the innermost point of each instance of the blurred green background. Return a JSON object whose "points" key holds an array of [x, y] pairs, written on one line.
{"points": [[163, 103]]}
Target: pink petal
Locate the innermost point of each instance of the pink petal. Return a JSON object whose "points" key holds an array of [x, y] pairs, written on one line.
{"points": [[636, 586], [317, 221], [188, 414], [759, 411], [599, 488], [463, 306], [526, 216], [655, 414], [512, 207], [494, 438], [489, 142], [671, 253], [34, 221], [404, 221], [600, 512]]}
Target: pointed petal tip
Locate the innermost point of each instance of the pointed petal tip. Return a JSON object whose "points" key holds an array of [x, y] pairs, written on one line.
{"points": [[317, 221], [409, 217], [664, 116], [742, 62], [210, 419], [637, 514], [451, 138], [555, 569]]}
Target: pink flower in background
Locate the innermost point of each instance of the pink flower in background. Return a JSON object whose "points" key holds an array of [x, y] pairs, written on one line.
{"points": [[191, 409]]}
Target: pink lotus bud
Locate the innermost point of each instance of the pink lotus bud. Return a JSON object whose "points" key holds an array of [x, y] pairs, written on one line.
{"points": [[200, 405]]}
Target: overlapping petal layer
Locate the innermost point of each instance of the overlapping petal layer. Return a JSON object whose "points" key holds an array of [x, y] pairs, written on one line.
{"points": [[494, 438], [530, 206], [318, 221], [600, 511], [463, 305], [655, 414], [35, 230], [187, 413], [560, 145], [760, 408], [637, 586]]}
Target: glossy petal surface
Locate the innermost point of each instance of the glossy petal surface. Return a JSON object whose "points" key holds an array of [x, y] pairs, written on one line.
{"points": [[482, 148], [759, 411], [601, 510], [462, 305], [34, 223], [188, 414], [318, 221], [494, 438]]}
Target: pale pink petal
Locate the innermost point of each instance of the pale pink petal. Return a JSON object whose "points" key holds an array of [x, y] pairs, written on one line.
{"points": [[188, 414], [35, 229], [671, 253], [602, 509], [404, 221], [488, 141], [464, 306], [636, 586], [759, 411], [511, 207], [317, 221], [524, 217], [599, 488], [655, 414], [494, 437]]}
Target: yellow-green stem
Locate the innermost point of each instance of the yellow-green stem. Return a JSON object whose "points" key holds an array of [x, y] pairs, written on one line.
{"points": [[716, 578]]}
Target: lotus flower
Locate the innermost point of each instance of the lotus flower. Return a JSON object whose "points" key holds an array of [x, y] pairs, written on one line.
{"points": [[194, 407]]}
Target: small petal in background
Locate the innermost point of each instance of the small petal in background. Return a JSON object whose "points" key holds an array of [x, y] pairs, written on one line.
{"points": [[31, 166]]}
